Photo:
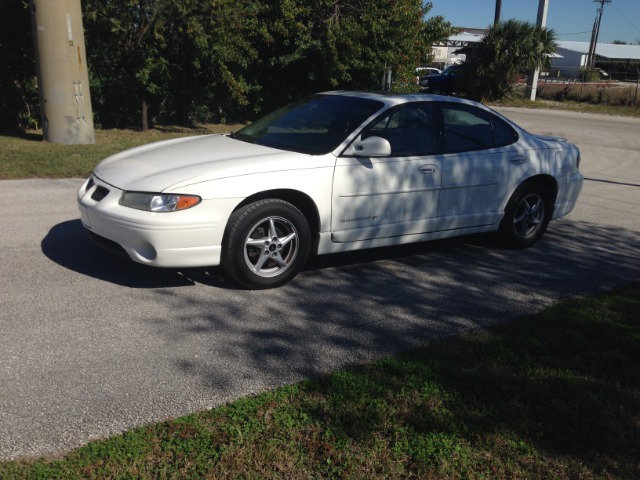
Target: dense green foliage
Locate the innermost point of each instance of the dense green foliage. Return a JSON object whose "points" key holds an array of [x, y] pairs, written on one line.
{"points": [[508, 49], [192, 61], [18, 93]]}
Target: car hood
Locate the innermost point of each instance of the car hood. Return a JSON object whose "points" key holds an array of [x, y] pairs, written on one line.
{"points": [[159, 166]]}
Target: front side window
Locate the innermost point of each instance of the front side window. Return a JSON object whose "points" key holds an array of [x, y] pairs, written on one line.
{"points": [[411, 129], [468, 128]]}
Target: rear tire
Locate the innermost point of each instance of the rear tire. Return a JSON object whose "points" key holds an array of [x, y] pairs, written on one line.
{"points": [[526, 216], [266, 244]]}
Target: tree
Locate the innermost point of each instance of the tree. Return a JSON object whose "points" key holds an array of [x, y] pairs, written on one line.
{"points": [[212, 56], [18, 93], [125, 44], [508, 49], [191, 61], [317, 45], [367, 38]]}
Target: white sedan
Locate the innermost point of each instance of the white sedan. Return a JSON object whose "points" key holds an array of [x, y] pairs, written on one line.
{"points": [[334, 172]]}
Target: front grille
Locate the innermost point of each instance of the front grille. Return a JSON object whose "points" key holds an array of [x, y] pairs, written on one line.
{"points": [[99, 193]]}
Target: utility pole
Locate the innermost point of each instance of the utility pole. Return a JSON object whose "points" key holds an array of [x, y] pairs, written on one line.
{"points": [[61, 66], [496, 18], [591, 58], [532, 81]]}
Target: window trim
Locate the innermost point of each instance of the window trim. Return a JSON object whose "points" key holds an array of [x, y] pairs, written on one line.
{"points": [[488, 116], [438, 109]]}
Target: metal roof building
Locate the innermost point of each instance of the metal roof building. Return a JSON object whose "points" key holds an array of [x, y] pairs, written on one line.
{"points": [[608, 51], [570, 57], [608, 55]]}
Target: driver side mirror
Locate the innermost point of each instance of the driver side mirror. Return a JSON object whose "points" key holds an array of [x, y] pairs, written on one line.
{"points": [[369, 147]]}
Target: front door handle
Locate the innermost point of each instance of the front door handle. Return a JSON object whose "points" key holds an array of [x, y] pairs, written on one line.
{"points": [[425, 169], [518, 159]]}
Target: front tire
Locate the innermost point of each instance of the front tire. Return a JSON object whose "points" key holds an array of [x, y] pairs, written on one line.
{"points": [[266, 244], [526, 216]]}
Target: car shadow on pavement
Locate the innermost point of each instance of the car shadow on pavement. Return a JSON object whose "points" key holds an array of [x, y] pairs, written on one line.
{"points": [[68, 245]]}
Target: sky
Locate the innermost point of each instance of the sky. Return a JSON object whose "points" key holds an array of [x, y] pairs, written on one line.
{"points": [[571, 19]]}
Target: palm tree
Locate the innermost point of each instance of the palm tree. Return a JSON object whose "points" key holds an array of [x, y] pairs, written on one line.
{"points": [[507, 49]]}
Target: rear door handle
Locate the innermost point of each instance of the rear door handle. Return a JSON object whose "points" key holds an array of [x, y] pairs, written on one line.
{"points": [[518, 160]]}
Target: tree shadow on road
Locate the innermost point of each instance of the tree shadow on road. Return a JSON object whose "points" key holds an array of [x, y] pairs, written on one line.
{"points": [[366, 304]]}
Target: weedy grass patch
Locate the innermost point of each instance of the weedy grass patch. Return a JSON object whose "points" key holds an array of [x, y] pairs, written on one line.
{"points": [[27, 156], [575, 97], [554, 395]]}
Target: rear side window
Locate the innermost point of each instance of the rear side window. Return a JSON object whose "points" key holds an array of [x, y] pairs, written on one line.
{"points": [[467, 128], [503, 133]]}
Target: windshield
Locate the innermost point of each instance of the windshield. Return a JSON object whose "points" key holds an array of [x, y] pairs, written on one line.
{"points": [[315, 125], [449, 70]]}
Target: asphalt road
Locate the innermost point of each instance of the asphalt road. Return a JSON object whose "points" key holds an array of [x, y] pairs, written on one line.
{"points": [[91, 345]]}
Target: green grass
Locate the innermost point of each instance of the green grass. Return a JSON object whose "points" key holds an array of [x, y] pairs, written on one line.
{"points": [[27, 156], [555, 395]]}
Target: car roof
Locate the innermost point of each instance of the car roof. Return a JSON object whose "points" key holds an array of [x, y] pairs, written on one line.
{"points": [[390, 99]]}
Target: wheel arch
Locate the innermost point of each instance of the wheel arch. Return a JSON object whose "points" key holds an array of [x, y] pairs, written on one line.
{"points": [[298, 199], [547, 181], [522, 226]]}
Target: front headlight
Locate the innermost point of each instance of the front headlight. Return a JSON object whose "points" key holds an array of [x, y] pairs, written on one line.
{"points": [[158, 202]]}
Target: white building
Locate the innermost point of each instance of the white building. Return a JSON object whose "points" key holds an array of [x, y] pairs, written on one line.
{"points": [[567, 62], [444, 52], [575, 55]]}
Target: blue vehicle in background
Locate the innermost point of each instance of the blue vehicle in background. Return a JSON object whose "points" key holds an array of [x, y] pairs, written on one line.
{"points": [[444, 83]]}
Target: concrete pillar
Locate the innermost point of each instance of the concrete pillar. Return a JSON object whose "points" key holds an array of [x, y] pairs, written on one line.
{"points": [[532, 82], [63, 80]]}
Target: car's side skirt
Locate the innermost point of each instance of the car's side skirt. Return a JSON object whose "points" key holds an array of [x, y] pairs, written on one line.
{"points": [[327, 245], [385, 230], [453, 222]]}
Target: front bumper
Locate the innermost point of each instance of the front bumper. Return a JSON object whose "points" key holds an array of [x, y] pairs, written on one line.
{"points": [[569, 189], [188, 238]]}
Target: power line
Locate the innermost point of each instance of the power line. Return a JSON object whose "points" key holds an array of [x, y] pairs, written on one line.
{"points": [[625, 18], [574, 33], [596, 31]]}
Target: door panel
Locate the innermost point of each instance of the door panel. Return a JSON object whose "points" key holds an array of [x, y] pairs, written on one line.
{"points": [[382, 197], [394, 195], [474, 185], [481, 163]]}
